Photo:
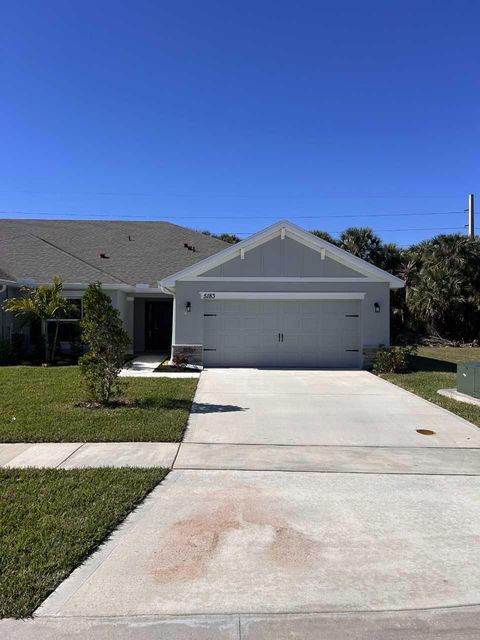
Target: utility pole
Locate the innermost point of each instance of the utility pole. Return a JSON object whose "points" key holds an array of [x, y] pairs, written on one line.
{"points": [[471, 217]]}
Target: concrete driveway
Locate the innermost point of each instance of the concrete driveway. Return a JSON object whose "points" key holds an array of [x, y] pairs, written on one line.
{"points": [[299, 493], [339, 408]]}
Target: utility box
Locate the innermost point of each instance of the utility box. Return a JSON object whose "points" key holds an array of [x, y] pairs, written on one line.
{"points": [[468, 378]]}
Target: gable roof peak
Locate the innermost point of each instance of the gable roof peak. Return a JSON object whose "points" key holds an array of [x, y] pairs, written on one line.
{"points": [[297, 233]]}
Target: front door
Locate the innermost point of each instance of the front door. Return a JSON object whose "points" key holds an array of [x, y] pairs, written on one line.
{"points": [[158, 325]]}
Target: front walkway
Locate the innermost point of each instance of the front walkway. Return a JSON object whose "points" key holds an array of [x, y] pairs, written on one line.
{"points": [[146, 366]]}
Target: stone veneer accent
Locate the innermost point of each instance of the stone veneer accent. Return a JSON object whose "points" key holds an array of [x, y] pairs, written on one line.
{"points": [[369, 354], [193, 352]]}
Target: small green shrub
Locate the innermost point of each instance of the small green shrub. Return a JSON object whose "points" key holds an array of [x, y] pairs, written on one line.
{"points": [[102, 330], [393, 360]]}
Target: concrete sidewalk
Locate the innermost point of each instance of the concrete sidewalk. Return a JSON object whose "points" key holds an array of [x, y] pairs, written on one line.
{"points": [[460, 623], [76, 455], [187, 455]]}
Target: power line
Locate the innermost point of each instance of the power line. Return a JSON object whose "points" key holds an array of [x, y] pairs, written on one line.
{"points": [[226, 195], [159, 217], [247, 233]]}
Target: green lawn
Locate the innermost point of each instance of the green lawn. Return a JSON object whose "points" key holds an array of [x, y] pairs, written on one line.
{"points": [[435, 368], [38, 405], [51, 519]]}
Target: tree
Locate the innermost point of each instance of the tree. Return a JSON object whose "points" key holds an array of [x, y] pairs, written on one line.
{"points": [[363, 243], [231, 238], [45, 303], [108, 342], [324, 235], [444, 293], [389, 258]]}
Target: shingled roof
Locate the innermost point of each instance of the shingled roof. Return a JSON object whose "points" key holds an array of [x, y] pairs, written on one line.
{"points": [[112, 252]]}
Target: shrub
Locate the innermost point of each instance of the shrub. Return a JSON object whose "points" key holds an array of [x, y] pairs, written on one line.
{"points": [[393, 360], [180, 360], [103, 331]]}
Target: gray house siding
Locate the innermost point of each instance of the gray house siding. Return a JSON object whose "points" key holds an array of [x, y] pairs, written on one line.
{"points": [[282, 258], [188, 327]]}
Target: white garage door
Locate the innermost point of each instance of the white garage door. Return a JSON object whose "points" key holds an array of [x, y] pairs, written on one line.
{"points": [[240, 333]]}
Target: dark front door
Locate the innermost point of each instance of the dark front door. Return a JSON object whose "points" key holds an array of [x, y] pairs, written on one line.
{"points": [[158, 324]]}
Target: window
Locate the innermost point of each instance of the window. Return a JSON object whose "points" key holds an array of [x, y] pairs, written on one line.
{"points": [[69, 328]]}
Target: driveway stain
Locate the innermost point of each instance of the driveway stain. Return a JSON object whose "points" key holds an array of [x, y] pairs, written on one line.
{"points": [[293, 547], [189, 545]]}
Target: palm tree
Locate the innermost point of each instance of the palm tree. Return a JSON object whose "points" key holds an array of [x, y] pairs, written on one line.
{"points": [[324, 235], [44, 303], [363, 243], [444, 291]]}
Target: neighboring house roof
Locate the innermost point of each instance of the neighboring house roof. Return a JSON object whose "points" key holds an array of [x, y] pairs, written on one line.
{"points": [[297, 233], [138, 252]]}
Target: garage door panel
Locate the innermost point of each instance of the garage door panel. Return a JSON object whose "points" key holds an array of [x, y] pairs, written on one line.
{"points": [[350, 342], [269, 323], [315, 333]]}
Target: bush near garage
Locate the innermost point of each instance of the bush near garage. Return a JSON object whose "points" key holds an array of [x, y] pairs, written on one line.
{"points": [[393, 360]]}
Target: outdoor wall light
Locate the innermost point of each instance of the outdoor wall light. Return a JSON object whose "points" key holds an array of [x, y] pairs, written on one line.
{"points": [[188, 307], [376, 306]]}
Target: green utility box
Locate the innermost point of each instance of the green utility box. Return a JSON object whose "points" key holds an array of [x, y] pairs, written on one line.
{"points": [[468, 378]]}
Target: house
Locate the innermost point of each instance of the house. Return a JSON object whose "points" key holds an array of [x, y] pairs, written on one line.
{"points": [[282, 297]]}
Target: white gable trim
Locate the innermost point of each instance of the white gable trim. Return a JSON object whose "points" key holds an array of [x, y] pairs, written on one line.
{"points": [[279, 295], [296, 233]]}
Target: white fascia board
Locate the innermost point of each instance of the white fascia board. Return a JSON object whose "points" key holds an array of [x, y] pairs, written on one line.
{"points": [[127, 288], [296, 233], [279, 295], [84, 285]]}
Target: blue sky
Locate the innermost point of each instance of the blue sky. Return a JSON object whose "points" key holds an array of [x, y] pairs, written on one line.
{"points": [[230, 115]]}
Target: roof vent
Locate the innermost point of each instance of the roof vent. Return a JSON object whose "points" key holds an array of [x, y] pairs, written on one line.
{"points": [[104, 256], [189, 247]]}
